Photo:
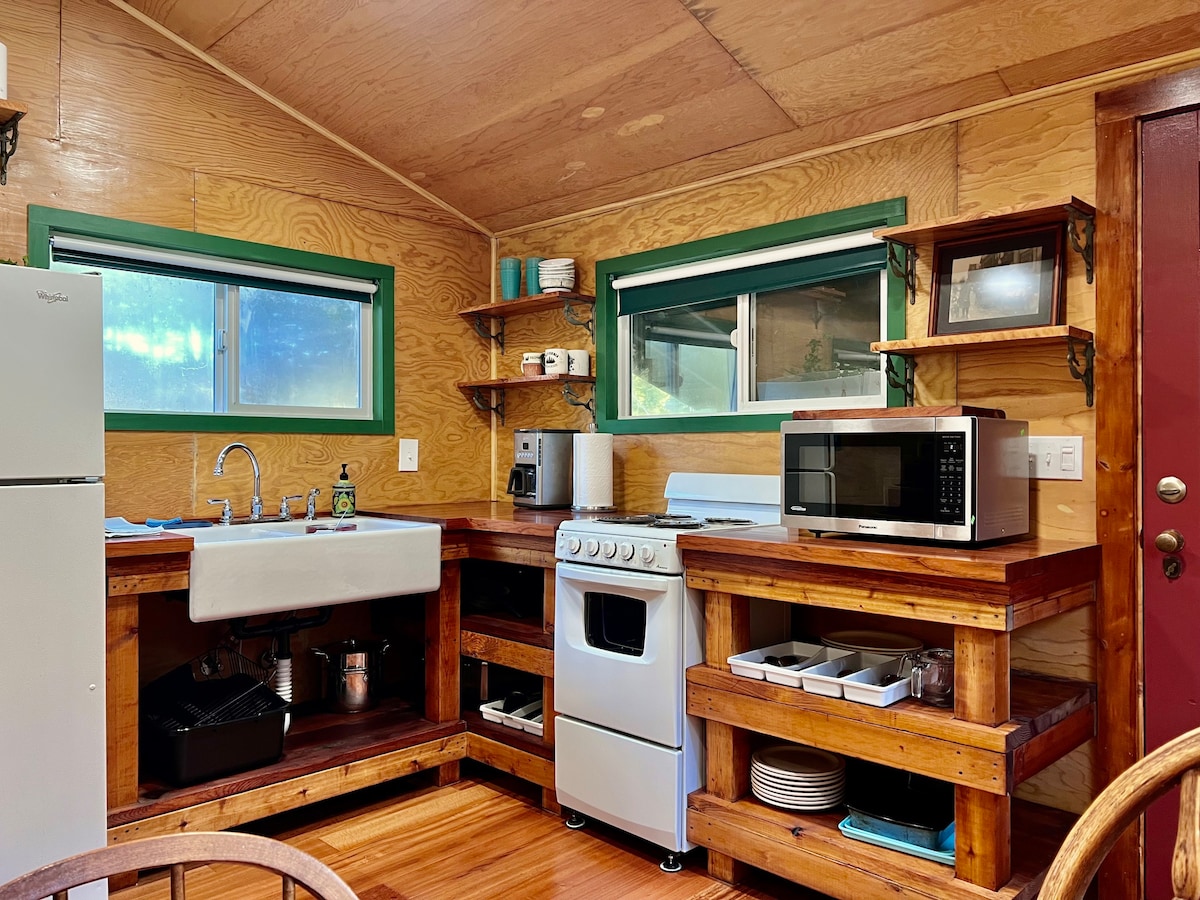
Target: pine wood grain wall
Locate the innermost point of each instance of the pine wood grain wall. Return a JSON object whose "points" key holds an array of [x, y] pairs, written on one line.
{"points": [[123, 123]]}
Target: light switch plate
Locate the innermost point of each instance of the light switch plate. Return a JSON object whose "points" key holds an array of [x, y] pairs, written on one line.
{"points": [[408, 455], [1056, 458]]}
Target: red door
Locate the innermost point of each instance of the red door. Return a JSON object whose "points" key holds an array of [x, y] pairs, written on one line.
{"points": [[1171, 450]]}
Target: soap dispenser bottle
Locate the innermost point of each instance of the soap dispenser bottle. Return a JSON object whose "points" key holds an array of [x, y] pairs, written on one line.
{"points": [[343, 495]]}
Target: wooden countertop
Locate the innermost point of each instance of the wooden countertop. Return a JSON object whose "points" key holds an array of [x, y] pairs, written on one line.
{"points": [[483, 515], [150, 545], [998, 563]]}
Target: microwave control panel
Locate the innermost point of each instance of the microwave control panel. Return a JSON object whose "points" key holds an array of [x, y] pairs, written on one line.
{"points": [[951, 477]]}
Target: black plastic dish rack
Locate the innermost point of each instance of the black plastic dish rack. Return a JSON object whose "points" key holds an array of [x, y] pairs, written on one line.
{"points": [[210, 717]]}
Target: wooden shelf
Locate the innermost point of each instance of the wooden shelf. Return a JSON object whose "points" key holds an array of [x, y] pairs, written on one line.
{"points": [[469, 387], [810, 850], [510, 628], [1049, 717], [519, 655], [522, 305], [323, 742], [511, 737], [986, 223], [908, 349], [984, 340], [11, 109]]}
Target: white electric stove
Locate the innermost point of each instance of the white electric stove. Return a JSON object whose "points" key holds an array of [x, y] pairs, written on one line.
{"points": [[626, 629]]}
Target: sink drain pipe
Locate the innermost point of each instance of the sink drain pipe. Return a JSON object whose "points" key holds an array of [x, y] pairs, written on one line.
{"points": [[281, 632]]}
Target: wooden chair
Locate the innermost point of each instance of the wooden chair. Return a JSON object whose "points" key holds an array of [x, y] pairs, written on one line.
{"points": [[1118, 805], [176, 851]]}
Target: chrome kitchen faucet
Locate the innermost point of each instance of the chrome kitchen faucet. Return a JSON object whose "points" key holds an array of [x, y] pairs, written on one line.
{"points": [[256, 500]]}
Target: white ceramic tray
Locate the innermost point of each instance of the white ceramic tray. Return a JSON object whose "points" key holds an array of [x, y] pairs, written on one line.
{"points": [[864, 686], [823, 679], [750, 664]]}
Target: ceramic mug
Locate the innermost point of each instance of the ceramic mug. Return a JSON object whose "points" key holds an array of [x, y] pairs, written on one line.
{"points": [[555, 361], [578, 362], [531, 363]]}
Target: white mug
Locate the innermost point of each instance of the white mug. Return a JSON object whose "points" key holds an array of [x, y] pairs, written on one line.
{"points": [[531, 363], [578, 362], [555, 361]]}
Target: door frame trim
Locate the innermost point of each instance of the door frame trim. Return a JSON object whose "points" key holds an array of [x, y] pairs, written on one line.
{"points": [[1119, 114]]}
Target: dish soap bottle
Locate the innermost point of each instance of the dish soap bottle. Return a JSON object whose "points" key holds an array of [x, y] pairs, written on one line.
{"points": [[343, 495]]}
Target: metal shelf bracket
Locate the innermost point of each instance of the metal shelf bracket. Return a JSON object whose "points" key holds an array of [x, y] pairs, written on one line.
{"points": [[570, 315], [484, 331], [1087, 373], [1087, 247], [573, 398], [906, 269], [483, 406], [907, 383], [8, 144]]}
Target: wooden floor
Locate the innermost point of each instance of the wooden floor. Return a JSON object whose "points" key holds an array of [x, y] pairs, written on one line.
{"points": [[479, 838]]}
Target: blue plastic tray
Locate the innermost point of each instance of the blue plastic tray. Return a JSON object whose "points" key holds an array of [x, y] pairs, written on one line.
{"points": [[943, 854]]}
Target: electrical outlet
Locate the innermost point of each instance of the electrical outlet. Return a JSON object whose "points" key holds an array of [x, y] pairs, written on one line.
{"points": [[1056, 458], [408, 455]]}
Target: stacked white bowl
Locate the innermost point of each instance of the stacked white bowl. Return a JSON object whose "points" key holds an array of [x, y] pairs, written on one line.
{"points": [[556, 275]]}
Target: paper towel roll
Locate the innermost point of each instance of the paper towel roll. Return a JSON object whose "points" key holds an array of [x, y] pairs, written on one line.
{"points": [[3, 72], [593, 472]]}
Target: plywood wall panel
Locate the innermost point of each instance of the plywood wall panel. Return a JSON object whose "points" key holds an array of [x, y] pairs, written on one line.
{"points": [[1034, 152], [50, 173], [172, 106], [1069, 783], [150, 475], [31, 37]]}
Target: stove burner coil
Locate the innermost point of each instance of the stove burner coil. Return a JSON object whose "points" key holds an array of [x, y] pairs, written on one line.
{"points": [[722, 520]]}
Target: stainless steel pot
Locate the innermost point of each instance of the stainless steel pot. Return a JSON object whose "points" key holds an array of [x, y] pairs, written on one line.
{"points": [[353, 670]]}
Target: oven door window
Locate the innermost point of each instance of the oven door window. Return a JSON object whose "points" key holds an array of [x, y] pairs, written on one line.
{"points": [[615, 623], [895, 477]]}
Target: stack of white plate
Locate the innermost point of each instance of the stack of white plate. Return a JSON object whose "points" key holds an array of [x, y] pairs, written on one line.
{"points": [[793, 776], [888, 643], [556, 275]]}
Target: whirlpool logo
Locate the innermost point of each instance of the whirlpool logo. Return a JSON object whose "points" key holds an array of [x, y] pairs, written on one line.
{"points": [[55, 297]]}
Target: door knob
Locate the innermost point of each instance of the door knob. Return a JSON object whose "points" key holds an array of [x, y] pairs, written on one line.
{"points": [[1169, 541]]}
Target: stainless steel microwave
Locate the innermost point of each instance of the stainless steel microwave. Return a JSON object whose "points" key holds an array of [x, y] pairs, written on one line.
{"points": [[943, 478]]}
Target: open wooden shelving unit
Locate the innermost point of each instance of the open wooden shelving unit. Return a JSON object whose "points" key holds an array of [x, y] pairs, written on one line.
{"points": [[1004, 726], [483, 318]]}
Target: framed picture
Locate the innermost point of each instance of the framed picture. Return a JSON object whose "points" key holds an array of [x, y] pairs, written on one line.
{"points": [[1007, 281]]}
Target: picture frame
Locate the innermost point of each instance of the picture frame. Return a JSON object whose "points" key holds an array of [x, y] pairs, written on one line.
{"points": [[1006, 281]]}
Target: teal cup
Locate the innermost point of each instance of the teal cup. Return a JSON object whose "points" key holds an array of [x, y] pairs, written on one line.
{"points": [[510, 278], [533, 284]]}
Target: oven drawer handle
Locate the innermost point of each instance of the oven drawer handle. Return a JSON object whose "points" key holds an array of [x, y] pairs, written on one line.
{"points": [[597, 575]]}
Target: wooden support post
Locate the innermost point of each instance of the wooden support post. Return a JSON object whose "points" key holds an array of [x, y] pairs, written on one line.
{"points": [[981, 687], [442, 656], [982, 837], [121, 699]]}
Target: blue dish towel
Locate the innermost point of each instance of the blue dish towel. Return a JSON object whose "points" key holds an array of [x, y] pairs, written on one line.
{"points": [[117, 526]]}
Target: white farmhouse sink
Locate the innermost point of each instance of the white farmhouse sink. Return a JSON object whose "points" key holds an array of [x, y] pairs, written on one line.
{"points": [[266, 567]]}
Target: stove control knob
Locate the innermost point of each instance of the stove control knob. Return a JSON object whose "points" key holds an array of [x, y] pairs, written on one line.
{"points": [[647, 554], [591, 547], [573, 545], [609, 549], [626, 551]]}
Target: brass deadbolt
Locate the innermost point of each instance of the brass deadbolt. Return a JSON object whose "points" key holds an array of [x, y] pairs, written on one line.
{"points": [[1169, 541]]}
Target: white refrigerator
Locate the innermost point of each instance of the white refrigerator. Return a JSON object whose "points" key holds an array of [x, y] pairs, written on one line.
{"points": [[52, 578]]}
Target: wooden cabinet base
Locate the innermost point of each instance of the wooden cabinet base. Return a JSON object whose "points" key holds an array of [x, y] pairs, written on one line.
{"points": [[247, 805], [810, 850]]}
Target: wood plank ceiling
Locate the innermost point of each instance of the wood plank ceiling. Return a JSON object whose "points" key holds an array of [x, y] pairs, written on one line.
{"points": [[519, 111]]}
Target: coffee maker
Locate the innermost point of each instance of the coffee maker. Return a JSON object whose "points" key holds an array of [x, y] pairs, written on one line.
{"points": [[541, 474]]}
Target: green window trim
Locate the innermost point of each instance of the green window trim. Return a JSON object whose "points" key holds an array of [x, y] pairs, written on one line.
{"points": [[882, 214], [46, 221]]}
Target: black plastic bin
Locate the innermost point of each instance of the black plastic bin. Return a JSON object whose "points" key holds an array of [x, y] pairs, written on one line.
{"points": [[193, 730]]}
